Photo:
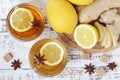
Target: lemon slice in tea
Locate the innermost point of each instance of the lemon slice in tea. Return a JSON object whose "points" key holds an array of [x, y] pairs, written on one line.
{"points": [[53, 53], [20, 19], [86, 36]]}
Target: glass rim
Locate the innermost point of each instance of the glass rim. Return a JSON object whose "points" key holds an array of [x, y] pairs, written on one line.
{"points": [[38, 11], [65, 57]]}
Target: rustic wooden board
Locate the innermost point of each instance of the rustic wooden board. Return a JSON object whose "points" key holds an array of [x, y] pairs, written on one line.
{"points": [[69, 40]]}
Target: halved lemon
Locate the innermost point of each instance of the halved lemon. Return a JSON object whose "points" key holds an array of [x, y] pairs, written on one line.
{"points": [[53, 53], [86, 36], [20, 19]]}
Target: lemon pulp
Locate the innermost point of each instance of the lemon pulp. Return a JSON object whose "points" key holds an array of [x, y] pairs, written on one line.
{"points": [[20, 19], [86, 36], [52, 52]]}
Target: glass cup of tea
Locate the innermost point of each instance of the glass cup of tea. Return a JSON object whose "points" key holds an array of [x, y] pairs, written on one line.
{"points": [[48, 57], [25, 22]]}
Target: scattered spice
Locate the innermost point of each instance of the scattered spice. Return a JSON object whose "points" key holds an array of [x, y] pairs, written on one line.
{"points": [[16, 64], [112, 66], [86, 56], [90, 68], [39, 59], [101, 72], [8, 57], [104, 58], [36, 24]]}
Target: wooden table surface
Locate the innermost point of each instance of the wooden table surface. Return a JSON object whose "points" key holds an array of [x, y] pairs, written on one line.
{"points": [[74, 69]]}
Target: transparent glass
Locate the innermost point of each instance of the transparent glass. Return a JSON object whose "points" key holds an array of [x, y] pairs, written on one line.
{"points": [[43, 69], [33, 32]]}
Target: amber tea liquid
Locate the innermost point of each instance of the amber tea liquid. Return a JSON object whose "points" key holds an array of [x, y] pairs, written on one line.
{"points": [[43, 69], [35, 31]]}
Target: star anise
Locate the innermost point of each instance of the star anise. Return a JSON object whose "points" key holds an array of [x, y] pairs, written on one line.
{"points": [[112, 66], [36, 24], [16, 64], [39, 59], [90, 68]]}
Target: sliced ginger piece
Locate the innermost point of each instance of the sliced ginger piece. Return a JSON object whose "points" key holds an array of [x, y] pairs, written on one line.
{"points": [[112, 20], [100, 30], [108, 38]]}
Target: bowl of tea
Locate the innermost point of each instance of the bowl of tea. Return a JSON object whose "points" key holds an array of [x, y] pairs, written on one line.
{"points": [[25, 22], [48, 57]]}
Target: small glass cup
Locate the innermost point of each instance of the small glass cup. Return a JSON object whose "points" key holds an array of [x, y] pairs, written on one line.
{"points": [[43, 69], [34, 32]]}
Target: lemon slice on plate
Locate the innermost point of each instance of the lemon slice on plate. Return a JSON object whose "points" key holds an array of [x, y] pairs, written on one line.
{"points": [[86, 36], [20, 19], [53, 53]]}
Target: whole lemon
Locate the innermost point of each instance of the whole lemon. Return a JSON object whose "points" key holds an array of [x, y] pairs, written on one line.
{"points": [[61, 16], [81, 2]]}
